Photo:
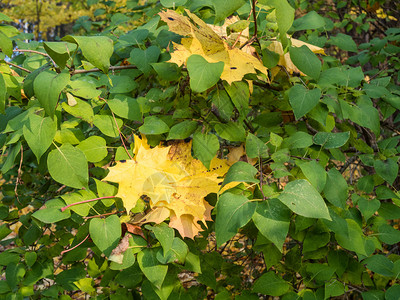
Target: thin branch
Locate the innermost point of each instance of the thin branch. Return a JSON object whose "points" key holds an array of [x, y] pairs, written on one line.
{"points": [[119, 131], [36, 52], [103, 215], [85, 201], [18, 181], [18, 67], [76, 246], [114, 68], [255, 22]]}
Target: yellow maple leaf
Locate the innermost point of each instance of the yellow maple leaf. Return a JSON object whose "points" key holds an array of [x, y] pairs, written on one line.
{"points": [[202, 40], [174, 181]]}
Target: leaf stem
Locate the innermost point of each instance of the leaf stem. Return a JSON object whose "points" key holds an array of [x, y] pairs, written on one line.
{"points": [[119, 131], [85, 201], [114, 68], [80, 243]]}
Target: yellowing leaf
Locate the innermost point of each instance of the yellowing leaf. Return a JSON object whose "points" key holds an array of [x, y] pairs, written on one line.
{"points": [[202, 40], [173, 180], [285, 60]]}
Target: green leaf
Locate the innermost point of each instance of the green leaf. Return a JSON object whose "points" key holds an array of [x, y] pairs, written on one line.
{"points": [[341, 76], [125, 107], [3, 93], [336, 189], [59, 51], [94, 147], [79, 196], [316, 237], [389, 211], [373, 295], [105, 233], [223, 104], [5, 18], [330, 140], [205, 147], [306, 61], [233, 212], [151, 268], [39, 134], [48, 86], [67, 278], [81, 109], [167, 71], [96, 49], [380, 264], [164, 234], [315, 173], [143, 58], [303, 199], [14, 274], [272, 219], [106, 124], [6, 44], [182, 130], [271, 284], [176, 254], [284, 14], [255, 147], [299, 139], [269, 58], [393, 292], [173, 3], [12, 153], [239, 94], [368, 207], [311, 20], [351, 237], [224, 8], [241, 172], [122, 84], [84, 88], [30, 258], [203, 75], [4, 231], [153, 125], [388, 234], [387, 169], [68, 165], [344, 42], [320, 272], [231, 132], [303, 100], [51, 212]]}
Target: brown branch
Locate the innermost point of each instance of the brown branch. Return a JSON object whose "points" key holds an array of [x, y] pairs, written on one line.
{"points": [[255, 22], [85, 201], [18, 181], [103, 215], [18, 67], [98, 70], [37, 52]]}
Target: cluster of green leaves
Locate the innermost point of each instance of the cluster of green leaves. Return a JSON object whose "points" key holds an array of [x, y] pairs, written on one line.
{"points": [[319, 208]]}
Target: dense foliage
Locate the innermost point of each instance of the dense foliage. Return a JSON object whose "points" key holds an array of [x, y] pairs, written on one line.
{"points": [[307, 120]]}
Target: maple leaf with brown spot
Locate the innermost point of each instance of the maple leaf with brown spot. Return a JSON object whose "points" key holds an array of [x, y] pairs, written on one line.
{"points": [[174, 181]]}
